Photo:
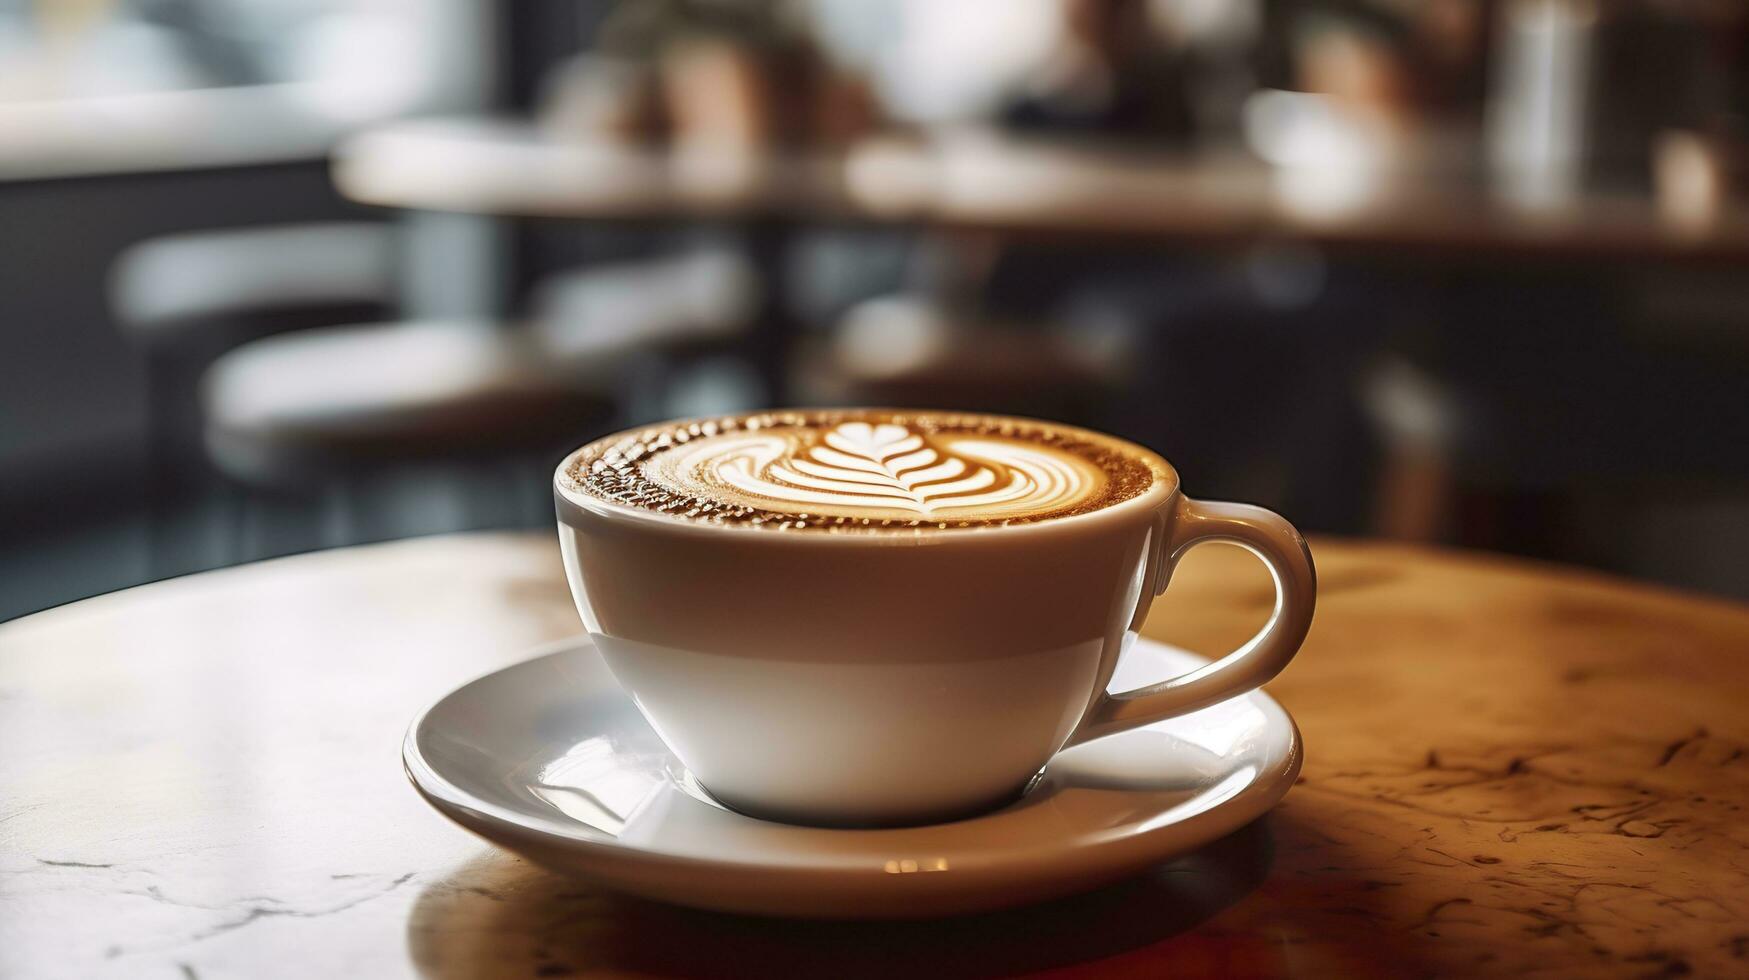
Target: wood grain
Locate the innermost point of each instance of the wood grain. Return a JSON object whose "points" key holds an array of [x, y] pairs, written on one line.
{"points": [[1511, 770]]}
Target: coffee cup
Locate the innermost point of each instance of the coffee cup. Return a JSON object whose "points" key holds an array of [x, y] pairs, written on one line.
{"points": [[886, 617]]}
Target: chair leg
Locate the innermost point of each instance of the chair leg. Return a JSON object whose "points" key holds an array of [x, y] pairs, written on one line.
{"points": [[531, 488], [161, 483], [237, 508], [339, 522]]}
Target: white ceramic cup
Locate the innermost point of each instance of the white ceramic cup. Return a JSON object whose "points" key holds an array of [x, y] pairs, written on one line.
{"points": [[904, 676]]}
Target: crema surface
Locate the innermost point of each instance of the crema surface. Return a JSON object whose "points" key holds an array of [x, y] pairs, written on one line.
{"points": [[864, 469]]}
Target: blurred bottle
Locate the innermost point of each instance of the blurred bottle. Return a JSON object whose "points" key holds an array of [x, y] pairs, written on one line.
{"points": [[1110, 73], [1538, 99]]}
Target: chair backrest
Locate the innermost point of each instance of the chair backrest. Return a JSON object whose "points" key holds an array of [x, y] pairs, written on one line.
{"points": [[160, 285]]}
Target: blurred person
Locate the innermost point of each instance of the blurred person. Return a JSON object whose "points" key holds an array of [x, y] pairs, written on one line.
{"points": [[727, 77], [1110, 74], [1661, 66]]}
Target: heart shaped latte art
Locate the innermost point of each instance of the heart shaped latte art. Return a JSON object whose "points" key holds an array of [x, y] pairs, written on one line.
{"points": [[860, 468]]}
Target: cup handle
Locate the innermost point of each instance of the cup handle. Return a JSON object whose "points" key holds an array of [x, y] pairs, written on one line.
{"points": [[1264, 534]]}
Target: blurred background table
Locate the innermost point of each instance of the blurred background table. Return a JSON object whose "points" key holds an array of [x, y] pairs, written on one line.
{"points": [[980, 180], [1511, 768]]}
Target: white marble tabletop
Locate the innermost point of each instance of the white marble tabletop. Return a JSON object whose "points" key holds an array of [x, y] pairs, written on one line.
{"points": [[1511, 769], [202, 777]]}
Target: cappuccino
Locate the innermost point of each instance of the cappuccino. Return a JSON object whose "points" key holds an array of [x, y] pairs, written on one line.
{"points": [[870, 617], [854, 470]]}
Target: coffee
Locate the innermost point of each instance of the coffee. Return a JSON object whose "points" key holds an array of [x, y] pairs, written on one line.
{"points": [[852, 470], [793, 604]]}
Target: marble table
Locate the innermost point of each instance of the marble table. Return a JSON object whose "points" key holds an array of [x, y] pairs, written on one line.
{"points": [[1511, 769]]}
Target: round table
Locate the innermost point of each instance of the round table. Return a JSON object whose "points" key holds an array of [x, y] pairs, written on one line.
{"points": [[1510, 768]]}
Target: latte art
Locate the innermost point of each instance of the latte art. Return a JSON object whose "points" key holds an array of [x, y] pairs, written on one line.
{"points": [[863, 470], [885, 467]]}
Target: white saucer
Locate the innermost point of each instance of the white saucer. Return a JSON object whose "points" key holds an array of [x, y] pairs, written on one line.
{"points": [[550, 759]]}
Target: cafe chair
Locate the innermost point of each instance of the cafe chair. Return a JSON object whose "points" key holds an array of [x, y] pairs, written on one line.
{"points": [[1545, 455], [167, 285], [425, 409], [185, 299]]}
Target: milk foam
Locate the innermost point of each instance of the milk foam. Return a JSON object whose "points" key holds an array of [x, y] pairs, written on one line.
{"points": [[863, 469]]}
